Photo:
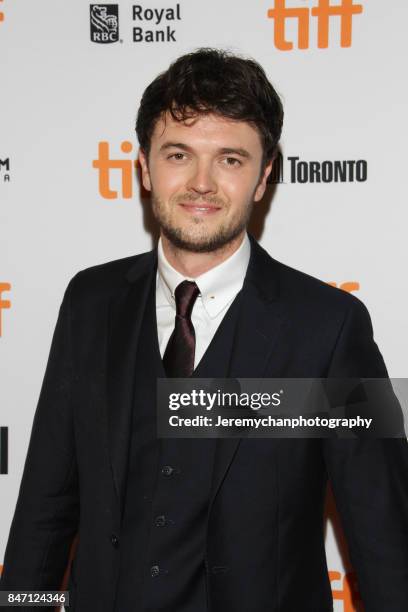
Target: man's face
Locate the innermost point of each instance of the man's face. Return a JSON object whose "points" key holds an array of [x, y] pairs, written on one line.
{"points": [[204, 175]]}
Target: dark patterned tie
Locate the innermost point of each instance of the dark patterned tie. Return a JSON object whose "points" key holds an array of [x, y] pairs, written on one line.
{"points": [[178, 359]]}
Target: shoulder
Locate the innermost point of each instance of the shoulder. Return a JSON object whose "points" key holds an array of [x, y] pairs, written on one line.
{"points": [[305, 295], [103, 280], [298, 285], [317, 300]]}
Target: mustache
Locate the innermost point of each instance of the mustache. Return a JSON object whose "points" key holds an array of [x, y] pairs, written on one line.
{"points": [[197, 198]]}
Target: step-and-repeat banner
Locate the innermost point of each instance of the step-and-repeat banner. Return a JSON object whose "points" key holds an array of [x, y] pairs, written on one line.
{"points": [[71, 78]]}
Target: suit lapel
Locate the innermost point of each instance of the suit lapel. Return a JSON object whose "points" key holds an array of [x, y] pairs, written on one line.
{"points": [[260, 327], [125, 316]]}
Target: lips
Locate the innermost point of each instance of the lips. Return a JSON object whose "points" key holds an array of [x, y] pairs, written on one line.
{"points": [[200, 208]]}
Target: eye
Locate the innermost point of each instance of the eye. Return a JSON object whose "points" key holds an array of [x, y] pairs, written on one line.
{"points": [[232, 161], [177, 156]]}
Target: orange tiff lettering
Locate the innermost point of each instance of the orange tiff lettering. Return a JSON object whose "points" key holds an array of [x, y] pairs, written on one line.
{"points": [[1, 14], [349, 593], [104, 164], [4, 303], [348, 286], [324, 11]]}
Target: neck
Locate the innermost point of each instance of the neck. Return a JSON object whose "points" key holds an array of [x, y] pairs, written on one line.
{"points": [[192, 264]]}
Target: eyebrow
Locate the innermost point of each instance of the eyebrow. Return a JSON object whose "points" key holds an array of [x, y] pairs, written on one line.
{"points": [[223, 151]]}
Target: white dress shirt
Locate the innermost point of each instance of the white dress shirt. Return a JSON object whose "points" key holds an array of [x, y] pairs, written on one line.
{"points": [[218, 288]]}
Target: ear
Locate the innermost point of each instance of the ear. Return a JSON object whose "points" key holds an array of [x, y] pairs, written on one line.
{"points": [[145, 170], [260, 190]]}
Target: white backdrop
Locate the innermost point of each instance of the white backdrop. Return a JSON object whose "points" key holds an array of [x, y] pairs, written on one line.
{"points": [[62, 94]]}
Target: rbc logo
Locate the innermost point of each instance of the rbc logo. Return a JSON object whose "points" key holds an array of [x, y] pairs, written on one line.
{"points": [[104, 23]]}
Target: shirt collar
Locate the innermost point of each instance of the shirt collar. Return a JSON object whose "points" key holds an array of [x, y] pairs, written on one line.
{"points": [[218, 286]]}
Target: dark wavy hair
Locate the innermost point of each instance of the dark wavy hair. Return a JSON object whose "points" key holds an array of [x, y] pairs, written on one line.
{"points": [[213, 81]]}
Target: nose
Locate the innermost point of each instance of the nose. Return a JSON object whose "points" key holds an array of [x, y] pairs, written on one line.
{"points": [[202, 180]]}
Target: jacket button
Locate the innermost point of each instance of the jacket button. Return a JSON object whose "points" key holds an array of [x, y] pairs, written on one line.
{"points": [[154, 571], [160, 521], [114, 540], [167, 470], [219, 569]]}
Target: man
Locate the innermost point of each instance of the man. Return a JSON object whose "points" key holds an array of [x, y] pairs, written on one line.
{"points": [[195, 525]]}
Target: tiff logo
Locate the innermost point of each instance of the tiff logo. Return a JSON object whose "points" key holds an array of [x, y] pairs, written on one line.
{"points": [[324, 11], [105, 165], [124, 169], [3, 450], [348, 593], [3, 303], [1, 14], [348, 286]]}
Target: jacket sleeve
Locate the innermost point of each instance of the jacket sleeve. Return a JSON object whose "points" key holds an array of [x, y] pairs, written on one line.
{"points": [[369, 478], [47, 511]]}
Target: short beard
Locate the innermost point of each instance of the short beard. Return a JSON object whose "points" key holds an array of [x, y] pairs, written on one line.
{"points": [[205, 243]]}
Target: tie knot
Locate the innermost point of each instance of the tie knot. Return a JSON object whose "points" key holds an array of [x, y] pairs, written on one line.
{"points": [[186, 294]]}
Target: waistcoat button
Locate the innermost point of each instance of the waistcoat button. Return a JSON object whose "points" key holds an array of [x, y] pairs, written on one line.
{"points": [[167, 470], [154, 571], [160, 521]]}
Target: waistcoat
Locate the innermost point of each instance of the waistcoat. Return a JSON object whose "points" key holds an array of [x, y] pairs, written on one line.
{"points": [[163, 530]]}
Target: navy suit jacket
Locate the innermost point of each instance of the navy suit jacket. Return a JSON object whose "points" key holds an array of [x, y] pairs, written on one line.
{"points": [[265, 534]]}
